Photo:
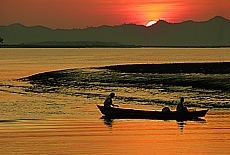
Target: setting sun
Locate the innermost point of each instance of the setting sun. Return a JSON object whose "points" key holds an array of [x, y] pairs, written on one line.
{"points": [[150, 23]]}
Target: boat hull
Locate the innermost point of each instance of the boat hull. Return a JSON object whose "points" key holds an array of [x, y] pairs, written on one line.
{"points": [[119, 113]]}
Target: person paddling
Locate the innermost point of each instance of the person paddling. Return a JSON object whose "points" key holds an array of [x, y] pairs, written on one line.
{"points": [[108, 103]]}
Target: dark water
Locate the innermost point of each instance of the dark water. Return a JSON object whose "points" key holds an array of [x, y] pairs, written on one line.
{"points": [[55, 112]]}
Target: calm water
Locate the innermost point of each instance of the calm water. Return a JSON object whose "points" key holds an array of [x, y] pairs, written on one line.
{"points": [[67, 121]]}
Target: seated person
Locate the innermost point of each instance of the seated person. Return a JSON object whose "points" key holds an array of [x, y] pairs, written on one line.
{"points": [[108, 101], [180, 107]]}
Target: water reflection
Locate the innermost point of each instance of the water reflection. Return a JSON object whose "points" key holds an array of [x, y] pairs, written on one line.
{"points": [[109, 122], [182, 124]]}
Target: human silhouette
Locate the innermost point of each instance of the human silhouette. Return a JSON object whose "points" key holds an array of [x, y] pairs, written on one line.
{"points": [[108, 103], [180, 107]]}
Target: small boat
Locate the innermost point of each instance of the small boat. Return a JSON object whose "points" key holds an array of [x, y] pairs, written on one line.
{"points": [[120, 113]]}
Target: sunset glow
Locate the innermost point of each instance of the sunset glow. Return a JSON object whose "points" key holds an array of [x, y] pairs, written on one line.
{"points": [[150, 23], [83, 13]]}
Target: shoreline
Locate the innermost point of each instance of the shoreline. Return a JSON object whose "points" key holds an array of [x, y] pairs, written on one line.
{"points": [[103, 46], [173, 68], [213, 87]]}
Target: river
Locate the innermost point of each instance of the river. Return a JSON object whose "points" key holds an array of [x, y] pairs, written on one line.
{"points": [[64, 119]]}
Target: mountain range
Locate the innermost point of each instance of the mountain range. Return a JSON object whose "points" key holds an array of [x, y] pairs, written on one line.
{"points": [[212, 33]]}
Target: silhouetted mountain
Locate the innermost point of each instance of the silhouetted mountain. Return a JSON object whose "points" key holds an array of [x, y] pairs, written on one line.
{"points": [[214, 32]]}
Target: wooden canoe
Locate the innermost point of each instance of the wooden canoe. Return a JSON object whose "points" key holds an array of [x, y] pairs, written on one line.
{"points": [[121, 113]]}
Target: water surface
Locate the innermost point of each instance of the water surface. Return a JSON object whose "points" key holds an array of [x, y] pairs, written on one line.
{"points": [[63, 119]]}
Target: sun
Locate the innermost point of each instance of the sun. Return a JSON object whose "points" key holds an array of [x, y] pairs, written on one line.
{"points": [[150, 23]]}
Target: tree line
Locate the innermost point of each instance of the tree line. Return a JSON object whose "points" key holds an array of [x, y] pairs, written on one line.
{"points": [[1, 40]]}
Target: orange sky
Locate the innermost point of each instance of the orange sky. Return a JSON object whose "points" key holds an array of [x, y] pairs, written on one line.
{"points": [[83, 13]]}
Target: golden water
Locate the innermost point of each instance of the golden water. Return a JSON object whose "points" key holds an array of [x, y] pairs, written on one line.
{"points": [[32, 123]]}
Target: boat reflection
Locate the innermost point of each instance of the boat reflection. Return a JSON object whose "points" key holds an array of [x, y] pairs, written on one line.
{"points": [[108, 122], [181, 123]]}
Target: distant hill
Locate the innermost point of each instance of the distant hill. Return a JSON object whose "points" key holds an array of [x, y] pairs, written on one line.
{"points": [[212, 33]]}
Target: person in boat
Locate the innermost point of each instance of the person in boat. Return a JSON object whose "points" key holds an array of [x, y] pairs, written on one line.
{"points": [[108, 103], [180, 107], [166, 110]]}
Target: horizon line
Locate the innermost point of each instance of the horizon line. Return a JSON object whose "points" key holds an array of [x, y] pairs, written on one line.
{"points": [[87, 27]]}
